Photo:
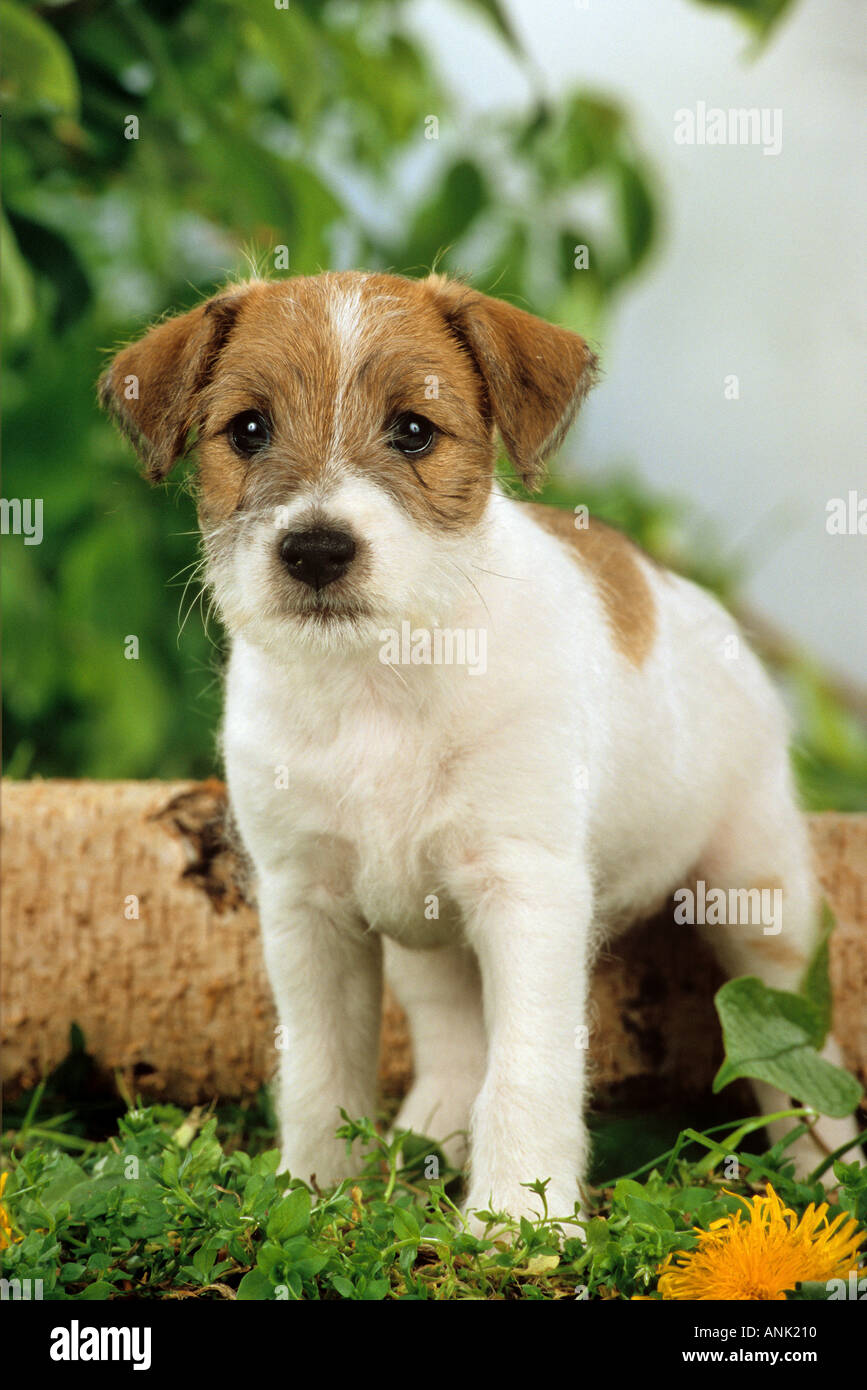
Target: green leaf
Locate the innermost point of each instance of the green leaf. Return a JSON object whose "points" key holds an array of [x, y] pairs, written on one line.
{"points": [[54, 260], [760, 15], [203, 1260], [445, 218], [290, 1216], [771, 1036], [648, 1213], [813, 1291], [19, 295], [39, 77], [170, 1165], [96, 1292], [267, 1163], [625, 1188], [637, 211], [375, 1290], [90, 1198], [303, 1259], [496, 13], [66, 1177], [596, 1233], [405, 1225], [816, 985], [254, 1287]]}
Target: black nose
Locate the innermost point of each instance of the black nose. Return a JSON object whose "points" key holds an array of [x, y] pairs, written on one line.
{"points": [[317, 557]]}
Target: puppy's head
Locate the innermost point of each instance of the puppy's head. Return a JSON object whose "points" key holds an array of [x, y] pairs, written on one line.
{"points": [[344, 426]]}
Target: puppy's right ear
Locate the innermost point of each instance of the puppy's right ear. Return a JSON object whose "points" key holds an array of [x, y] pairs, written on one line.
{"points": [[152, 388]]}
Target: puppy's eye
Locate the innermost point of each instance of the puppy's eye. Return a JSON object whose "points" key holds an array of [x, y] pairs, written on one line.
{"points": [[411, 434], [249, 432]]}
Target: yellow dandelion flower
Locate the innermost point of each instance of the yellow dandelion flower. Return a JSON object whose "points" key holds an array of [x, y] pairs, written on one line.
{"points": [[764, 1255], [7, 1233]]}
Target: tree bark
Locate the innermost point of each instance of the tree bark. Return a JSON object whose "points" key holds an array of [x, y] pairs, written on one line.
{"points": [[126, 911]]}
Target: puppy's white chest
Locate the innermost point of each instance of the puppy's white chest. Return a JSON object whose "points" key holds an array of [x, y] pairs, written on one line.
{"points": [[357, 799], [387, 818]]}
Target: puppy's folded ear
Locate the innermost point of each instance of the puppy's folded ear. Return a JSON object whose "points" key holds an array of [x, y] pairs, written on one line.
{"points": [[152, 388], [536, 375]]}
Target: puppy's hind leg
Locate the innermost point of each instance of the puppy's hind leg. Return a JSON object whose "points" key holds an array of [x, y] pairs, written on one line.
{"points": [[442, 995], [763, 845]]}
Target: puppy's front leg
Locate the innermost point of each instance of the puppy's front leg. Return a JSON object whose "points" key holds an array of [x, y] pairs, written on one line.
{"points": [[528, 916], [326, 975]]}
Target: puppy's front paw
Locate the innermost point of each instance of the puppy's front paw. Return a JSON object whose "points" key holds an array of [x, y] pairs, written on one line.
{"points": [[516, 1201], [440, 1109], [323, 1160]]}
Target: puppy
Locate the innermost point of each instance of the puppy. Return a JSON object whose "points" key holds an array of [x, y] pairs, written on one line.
{"points": [[465, 736]]}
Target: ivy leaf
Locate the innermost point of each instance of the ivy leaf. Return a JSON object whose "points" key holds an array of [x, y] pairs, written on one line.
{"points": [[773, 1036]]}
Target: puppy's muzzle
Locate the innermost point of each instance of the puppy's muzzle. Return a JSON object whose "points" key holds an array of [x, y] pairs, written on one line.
{"points": [[317, 557]]}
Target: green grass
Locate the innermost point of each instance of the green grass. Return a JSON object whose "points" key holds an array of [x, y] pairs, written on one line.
{"points": [[107, 1198], [175, 1205]]}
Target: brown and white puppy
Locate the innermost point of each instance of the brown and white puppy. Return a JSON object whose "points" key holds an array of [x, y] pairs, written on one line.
{"points": [[464, 732]]}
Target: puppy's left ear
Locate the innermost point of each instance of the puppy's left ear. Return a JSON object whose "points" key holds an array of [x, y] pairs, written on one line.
{"points": [[536, 374]]}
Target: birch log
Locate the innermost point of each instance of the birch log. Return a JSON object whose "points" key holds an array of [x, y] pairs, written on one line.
{"points": [[125, 911]]}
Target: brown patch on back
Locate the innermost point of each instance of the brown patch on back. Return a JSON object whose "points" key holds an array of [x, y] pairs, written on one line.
{"points": [[613, 562]]}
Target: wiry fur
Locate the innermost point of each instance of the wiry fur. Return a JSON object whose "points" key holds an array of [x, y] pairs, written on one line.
{"points": [[612, 751]]}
